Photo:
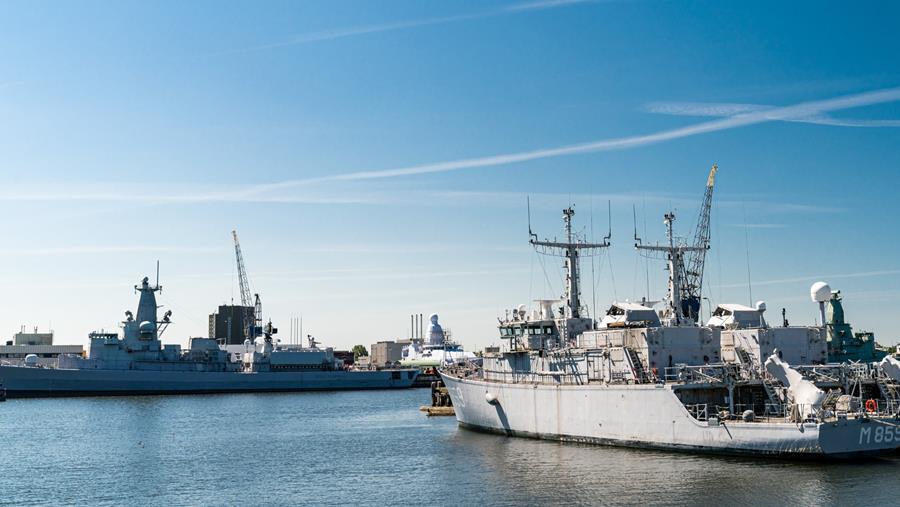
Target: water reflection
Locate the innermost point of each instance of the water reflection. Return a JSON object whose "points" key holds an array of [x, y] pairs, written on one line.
{"points": [[365, 448]]}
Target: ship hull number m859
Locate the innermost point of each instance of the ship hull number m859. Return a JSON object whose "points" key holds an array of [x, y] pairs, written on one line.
{"points": [[879, 434]]}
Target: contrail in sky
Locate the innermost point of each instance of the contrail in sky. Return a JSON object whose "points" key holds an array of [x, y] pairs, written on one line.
{"points": [[728, 109], [341, 33], [802, 110], [864, 274]]}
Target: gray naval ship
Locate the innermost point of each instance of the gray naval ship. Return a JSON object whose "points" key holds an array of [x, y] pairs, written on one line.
{"points": [[139, 363], [651, 378]]}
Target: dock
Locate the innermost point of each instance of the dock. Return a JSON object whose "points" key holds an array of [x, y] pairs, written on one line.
{"points": [[441, 405]]}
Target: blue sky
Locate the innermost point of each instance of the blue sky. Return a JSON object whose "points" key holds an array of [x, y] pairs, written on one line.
{"points": [[375, 157]]}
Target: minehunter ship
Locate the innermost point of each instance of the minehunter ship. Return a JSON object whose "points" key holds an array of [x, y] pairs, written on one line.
{"points": [[139, 363], [656, 379]]}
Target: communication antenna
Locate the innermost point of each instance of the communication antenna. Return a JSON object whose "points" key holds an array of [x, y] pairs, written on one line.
{"points": [[528, 204], [634, 219], [609, 221]]}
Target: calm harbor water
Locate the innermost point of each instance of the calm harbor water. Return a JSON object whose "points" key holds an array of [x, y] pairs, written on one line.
{"points": [[366, 448]]}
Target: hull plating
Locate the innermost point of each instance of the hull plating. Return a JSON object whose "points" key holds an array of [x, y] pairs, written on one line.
{"points": [[46, 382], [651, 416]]}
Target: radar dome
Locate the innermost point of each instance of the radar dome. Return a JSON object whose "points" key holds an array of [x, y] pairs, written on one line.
{"points": [[820, 292], [433, 318], [146, 327], [760, 306], [31, 360]]}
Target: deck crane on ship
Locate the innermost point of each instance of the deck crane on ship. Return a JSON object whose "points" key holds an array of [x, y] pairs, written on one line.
{"points": [[691, 290]]}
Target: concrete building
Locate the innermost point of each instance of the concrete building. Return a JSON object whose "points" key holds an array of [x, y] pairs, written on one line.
{"points": [[227, 324], [47, 354], [386, 352], [35, 338]]}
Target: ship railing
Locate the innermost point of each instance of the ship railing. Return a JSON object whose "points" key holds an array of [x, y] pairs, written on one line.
{"points": [[769, 412], [535, 376], [762, 412], [884, 407], [695, 374], [821, 373]]}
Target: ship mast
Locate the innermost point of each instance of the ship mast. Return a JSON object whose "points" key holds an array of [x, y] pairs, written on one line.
{"points": [[674, 253], [572, 249]]}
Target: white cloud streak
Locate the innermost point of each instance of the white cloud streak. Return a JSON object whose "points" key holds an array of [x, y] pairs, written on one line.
{"points": [[759, 226], [104, 249], [263, 193], [802, 110], [225, 195], [341, 33], [725, 109], [811, 278]]}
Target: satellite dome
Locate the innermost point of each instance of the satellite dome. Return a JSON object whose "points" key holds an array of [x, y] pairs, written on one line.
{"points": [[820, 292], [146, 327], [31, 360], [760, 306]]}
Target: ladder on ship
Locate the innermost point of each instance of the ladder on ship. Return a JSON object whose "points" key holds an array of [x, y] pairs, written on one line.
{"points": [[890, 395], [743, 357], [637, 367], [774, 396]]}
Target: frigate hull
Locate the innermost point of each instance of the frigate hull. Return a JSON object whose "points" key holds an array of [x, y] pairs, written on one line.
{"points": [[22, 382], [652, 416]]}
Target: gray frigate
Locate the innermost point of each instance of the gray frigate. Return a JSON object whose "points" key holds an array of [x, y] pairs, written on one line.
{"points": [[137, 362]]}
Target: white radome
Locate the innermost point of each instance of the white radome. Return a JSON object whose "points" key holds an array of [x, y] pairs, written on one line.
{"points": [[820, 292]]}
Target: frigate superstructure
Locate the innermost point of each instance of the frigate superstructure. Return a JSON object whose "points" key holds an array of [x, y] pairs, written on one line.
{"points": [[139, 363], [656, 379], [843, 343]]}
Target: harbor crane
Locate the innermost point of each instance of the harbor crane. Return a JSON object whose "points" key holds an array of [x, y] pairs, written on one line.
{"points": [[251, 304], [691, 289]]}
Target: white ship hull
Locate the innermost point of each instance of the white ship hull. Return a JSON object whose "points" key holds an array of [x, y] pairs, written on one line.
{"points": [[652, 416], [46, 382]]}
